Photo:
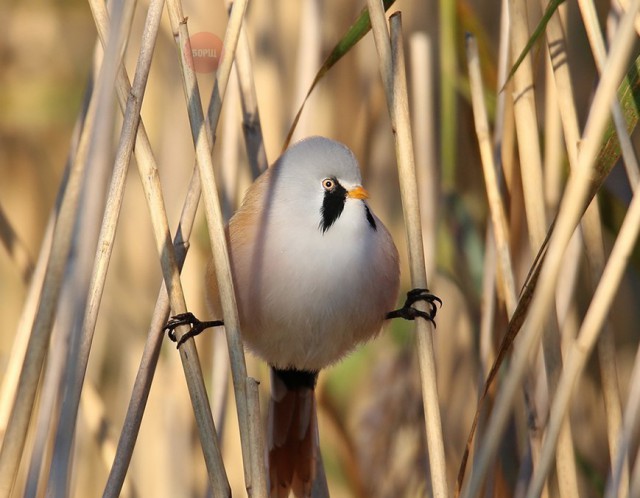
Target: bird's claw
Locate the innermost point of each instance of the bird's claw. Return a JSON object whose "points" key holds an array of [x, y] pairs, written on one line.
{"points": [[408, 312], [187, 318]]}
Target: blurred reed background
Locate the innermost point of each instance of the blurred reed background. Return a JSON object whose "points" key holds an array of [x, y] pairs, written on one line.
{"points": [[478, 253]]}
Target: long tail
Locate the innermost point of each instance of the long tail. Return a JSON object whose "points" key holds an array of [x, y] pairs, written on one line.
{"points": [[292, 433]]}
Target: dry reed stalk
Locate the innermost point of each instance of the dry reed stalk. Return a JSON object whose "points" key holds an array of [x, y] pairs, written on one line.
{"points": [[618, 7], [590, 330], [27, 317], [532, 185], [591, 222], [130, 99], [255, 152], [25, 324], [397, 101], [383, 47], [487, 352], [566, 291], [596, 41], [422, 98], [553, 144], [32, 275], [498, 234], [424, 134], [562, 85], [49, 423], [392, 70], [151, 184], [503, 69], [75, 298], [230, 184], [49, 420], [215, 224], [256, 155], [117, 188], [498, 217], [236, 37], [488, 307], [48, 398], [48, 409], [148, 362], [308, 61], [527, 127], [593, 239], [627, 434], [259, 471], [606, 349], [13, 443], [448, 94], [71, 401], [251, 125], [554, 157], [507, 152], [570, 211], [497, 256], [591, 225], [142, 385], [229, 178]]}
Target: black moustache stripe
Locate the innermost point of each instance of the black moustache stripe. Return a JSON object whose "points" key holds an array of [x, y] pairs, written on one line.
{"points": [[370, 219], [332, 206]]}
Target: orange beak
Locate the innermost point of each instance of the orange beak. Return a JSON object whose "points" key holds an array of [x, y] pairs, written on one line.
{"points": [[358, 193]]}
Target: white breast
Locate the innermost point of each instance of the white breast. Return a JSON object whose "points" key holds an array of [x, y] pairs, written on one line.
{"points": [[307, 298]]}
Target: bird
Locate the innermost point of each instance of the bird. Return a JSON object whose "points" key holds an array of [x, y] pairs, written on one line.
{"points": [[315, 273]]}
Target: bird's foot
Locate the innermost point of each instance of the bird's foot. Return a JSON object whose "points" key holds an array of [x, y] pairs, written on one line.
{"points": [[408, 312], [197, 326]]}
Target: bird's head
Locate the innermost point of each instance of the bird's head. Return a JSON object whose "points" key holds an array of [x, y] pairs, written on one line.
{"points": [[320, 179]]}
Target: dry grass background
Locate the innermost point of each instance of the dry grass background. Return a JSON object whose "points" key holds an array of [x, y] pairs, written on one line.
{"points": [[371, 407]]}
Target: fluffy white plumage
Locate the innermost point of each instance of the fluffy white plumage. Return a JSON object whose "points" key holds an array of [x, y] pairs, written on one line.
{"points": [[308, 296]]}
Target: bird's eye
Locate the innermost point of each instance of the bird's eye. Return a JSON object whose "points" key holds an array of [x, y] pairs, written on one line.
{"points": [[328, 184]]}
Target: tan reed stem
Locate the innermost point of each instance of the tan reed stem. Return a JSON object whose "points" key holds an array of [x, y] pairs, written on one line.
{"points": [[570, 211], [531, 168], [392, 70], [215, 224], [13, 443], [255, 152], [498, 218], [591, 225]]}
